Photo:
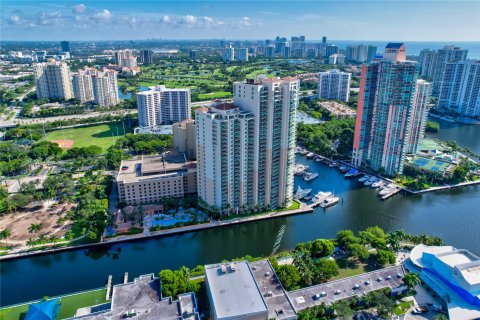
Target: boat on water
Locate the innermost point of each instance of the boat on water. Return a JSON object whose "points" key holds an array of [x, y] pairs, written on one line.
{"points": [[352, 173], [333, 164], [320, 196], [310, 176], [310, 155], [300, 169], [318, 159], [329, 202], [370, 181], [301, 193], [303, 152], [377, 184], [386, 191], [343, 168], [364, 178]]}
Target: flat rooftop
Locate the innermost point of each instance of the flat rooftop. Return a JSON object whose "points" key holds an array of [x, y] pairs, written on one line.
{"points": [[234, 293], [142, 295], [305, 298], [454, 258], [279, 307], [154, 167]]}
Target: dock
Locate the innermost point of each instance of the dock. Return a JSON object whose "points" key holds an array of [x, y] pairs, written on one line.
{"points": [[391, 194]]}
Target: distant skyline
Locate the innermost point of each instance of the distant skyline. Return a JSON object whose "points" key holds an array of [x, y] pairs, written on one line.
{"points": [[410, 20]]}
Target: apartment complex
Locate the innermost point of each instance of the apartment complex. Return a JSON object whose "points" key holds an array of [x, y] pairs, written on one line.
{"points": [[360, 53], [245, 149], [52, 80], [105, 88], [242, 54], [334, 85], [336, 59], [163, 106], [432, 64], [460, 88], [82, 85], [391, 104], [146, 56], [152, 178], [184, 138], [125, 58], [228, 54]]}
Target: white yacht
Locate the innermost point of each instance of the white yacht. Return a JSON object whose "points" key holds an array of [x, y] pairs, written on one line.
{"points": [[301, 193], [329, 202], [310, 176], [386, 190], [320, 196], [377, 184]]}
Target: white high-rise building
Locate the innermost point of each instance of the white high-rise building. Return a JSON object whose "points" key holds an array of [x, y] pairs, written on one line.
{"points": [[83, 84], [228, 54], [245, 150], [460, 88], [105, 88], [125, 58], [163, 106], [336, 58], [419, 115], [432, 64], [52, 80], [334, 85]]}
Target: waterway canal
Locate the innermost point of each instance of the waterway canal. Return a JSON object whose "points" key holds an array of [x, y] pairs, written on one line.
{"points": [[452, 215]]}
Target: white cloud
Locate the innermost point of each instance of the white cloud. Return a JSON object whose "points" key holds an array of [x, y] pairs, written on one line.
{"points": [[105, 14], [165, 19], [79, 8], [15, 19]]}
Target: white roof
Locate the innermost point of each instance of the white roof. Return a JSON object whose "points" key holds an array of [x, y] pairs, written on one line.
{"points": [[234, 293]]}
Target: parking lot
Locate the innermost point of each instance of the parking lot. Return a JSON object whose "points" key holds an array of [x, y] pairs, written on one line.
{"points": [[329, 292]]}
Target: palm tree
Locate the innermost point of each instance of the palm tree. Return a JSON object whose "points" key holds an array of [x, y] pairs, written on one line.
{"points": [[53, 238], [42, 238], [34, 228], [30, 243], [5, 234], [411, 280]]}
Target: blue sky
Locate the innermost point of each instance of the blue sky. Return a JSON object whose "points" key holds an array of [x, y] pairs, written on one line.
{"points": [[408, 20]]}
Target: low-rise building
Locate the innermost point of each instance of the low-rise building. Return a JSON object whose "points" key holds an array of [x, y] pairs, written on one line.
{"points": [[152, 178], [338, 110], [453, 274], [142, 299]]}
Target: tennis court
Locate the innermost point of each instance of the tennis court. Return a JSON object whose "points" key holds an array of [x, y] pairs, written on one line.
{"points": [[431, 164], [430, 144]]}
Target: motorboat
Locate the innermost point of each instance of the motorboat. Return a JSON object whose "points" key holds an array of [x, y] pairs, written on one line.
{"points": [[329, 202], [386, 190], [310, 176], [351, 173], [318, 159], [377, 184], [364, 178], [333, 164], [303, 152], [310, 155], [343, 168], [370, 181], [300, 169], [320, 196]]}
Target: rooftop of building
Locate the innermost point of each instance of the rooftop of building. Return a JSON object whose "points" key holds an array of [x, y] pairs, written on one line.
{"points": [[394, 45], [149, 167], [336, 107], [234, 291]]}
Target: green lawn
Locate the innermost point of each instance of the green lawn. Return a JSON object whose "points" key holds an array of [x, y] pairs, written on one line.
{"points": [[68, 308], [402, 307], [103, 135], [215, 95]]}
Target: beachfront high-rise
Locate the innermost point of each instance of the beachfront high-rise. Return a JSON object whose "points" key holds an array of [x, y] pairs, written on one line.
{"points": [[334, 85], [432, 64], [391, 104], [245, 149], [52, 80], [163, 106], [460, 88]]}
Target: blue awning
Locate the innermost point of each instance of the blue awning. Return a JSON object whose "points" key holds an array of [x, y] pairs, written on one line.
{"points": [[45, 310]]}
